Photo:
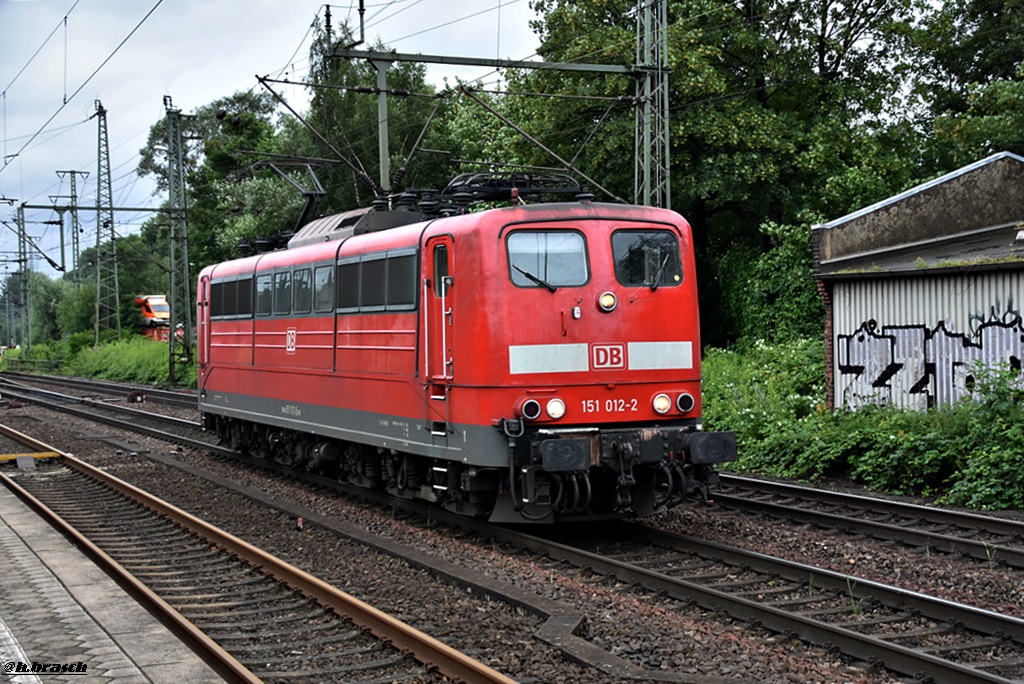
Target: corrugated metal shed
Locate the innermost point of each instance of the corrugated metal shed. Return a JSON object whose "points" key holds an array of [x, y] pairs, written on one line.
{"points": [[922, 287]]}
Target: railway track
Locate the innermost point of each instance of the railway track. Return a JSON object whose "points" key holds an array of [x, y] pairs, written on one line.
{"points": [[173, 397], [169, 428], [910, 633], [983, 537], [913, 634], [249, 614], [920, 636]]}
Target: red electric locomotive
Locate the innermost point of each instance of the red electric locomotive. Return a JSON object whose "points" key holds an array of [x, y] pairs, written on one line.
{"points": [[536, 362]]}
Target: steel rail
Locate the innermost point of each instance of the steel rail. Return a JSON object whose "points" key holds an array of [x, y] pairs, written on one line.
{"points": [[219, 659], [421, 646], [982, 550], [170, 396], [67, 404], [865, 647], [929, 513], [425, 649], [870, 649]]}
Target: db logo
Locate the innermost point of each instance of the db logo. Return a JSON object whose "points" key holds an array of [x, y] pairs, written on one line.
{"points": [[607, 356], [289, 341]]}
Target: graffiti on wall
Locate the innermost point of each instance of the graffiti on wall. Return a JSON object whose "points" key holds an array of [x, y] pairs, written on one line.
{"points": [[914, 366]]}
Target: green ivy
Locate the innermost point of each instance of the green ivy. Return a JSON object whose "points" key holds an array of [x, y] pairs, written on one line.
{"points": [[772, 396]]}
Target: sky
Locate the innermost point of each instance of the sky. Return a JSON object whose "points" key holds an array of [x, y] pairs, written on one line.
{"points": [[59, 57]]}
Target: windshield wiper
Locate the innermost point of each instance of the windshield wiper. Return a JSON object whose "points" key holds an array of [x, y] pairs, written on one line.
{"points": [[534, 279], [661, 272]]}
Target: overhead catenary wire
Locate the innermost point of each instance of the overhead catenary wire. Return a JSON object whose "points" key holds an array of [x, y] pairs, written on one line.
{"points": [[62, 22], [68, 99]]}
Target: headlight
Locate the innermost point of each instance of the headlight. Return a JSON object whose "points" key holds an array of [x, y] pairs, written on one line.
{"points": [[662, 403], [529, 409], [606, 302], [556, 408], [685, 402]]}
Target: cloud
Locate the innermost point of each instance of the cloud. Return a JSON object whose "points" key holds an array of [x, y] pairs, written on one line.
{"points": [[194, 51]]}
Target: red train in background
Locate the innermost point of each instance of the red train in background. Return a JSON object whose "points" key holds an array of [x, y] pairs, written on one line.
{"points": [[536, 362]]}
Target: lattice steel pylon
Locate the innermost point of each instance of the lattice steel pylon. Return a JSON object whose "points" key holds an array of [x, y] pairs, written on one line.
{"points": [[24, 302], [108, 297], [180, 295], [652, 184], [75, 226]]}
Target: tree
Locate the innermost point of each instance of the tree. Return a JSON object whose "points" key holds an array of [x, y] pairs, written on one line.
{"points": [[222, 127], [993, 122], [343, 112], [781, 111], [965, 45], [472, 138], [233, 133], [586, 119], [76, 311]]}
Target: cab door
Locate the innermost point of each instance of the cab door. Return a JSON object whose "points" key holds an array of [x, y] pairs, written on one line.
{"points": [[438, 326], [203, 323]]}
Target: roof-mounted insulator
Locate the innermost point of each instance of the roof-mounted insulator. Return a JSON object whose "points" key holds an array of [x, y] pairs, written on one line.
{"points": [[428, 205], [585, 195], [406, 201]]}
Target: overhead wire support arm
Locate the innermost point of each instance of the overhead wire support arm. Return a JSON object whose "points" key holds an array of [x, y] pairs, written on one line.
{"points": [[69, 207], [361, 174], [367, 90], [372, 55], [567, 164], [53, 264]]}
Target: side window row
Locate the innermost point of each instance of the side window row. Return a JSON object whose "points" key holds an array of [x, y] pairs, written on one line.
{"points": [[299, 291], [382, 282], [377, 283]]}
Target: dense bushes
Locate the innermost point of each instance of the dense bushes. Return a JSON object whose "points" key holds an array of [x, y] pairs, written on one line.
{"points": [[773, 398], [134, 359]]}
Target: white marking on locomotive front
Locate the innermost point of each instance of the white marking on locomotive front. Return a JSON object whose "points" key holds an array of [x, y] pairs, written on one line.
{"points": [[660, 355], [574, 358], [547, 358]]}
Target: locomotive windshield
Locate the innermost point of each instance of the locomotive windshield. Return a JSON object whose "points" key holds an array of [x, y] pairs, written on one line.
{"points": [[548, 259], [647, 258]]}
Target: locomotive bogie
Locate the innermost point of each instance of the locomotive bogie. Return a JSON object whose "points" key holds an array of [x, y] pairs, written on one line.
{"points": [[532, 363]]}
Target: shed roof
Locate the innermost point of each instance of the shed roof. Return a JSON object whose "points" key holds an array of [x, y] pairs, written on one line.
{"points": [[969, 218]]}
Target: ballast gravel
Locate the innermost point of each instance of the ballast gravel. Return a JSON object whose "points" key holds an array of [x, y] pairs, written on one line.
{"points": [[648, 631]]}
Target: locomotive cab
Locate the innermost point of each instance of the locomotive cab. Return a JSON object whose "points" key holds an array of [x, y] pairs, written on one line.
{"points": [[582, 353]]}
